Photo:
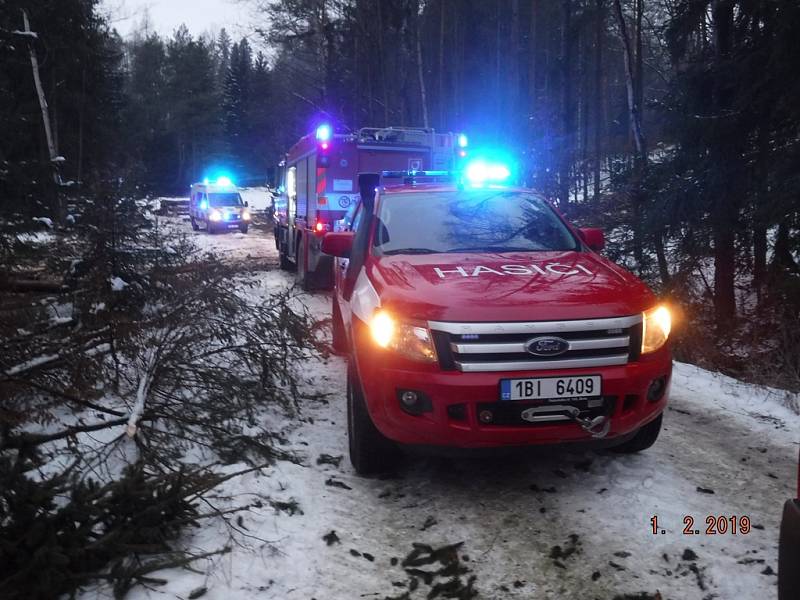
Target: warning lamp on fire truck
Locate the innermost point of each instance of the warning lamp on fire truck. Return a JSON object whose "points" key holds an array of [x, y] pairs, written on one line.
{"points": [[463, 142], [324, 136]]}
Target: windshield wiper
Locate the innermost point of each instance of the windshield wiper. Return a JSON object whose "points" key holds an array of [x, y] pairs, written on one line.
{"points": [[493, 249], [411, 251]]}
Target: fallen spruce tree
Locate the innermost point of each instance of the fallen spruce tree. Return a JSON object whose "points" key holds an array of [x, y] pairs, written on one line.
{"points": [[126, 395]]}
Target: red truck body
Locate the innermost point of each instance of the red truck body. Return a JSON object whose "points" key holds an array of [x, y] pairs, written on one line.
{"points": [[482, 311], [320, 183]]}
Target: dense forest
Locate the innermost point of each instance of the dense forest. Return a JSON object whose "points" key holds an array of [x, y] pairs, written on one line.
{"points": [[672, 123]]}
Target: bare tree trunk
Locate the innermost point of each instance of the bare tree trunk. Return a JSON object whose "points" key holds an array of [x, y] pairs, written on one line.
{"points": [[514, 67], [598, 93], [635, 121], [440, 99], [382, 66], [420, 70], [584, 113], [37, 81], [725, 207], [634, 116], [566, 102], [80, 125], [533, 57]]}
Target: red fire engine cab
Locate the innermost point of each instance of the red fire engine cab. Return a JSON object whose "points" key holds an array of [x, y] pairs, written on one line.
{"points": [[319, 183]]}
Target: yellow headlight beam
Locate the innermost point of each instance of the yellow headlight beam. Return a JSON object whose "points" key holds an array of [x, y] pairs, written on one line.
{"points": [[656, 327], [382, 328]]}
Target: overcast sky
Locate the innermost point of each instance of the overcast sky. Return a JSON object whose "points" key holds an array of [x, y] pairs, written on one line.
{"points": [[166, 15]]}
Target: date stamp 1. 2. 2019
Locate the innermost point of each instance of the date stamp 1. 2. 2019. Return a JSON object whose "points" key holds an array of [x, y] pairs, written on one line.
{"points": [[714, 525]]}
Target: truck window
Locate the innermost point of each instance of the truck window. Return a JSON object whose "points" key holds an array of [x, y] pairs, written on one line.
{"points": [[469, 221]]}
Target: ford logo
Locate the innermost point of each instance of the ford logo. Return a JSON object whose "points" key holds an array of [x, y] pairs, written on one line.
{"points": [[547, 346]]}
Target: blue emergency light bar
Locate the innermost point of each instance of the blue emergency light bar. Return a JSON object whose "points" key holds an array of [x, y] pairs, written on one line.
{"points": [[221, 180], [476, 173]]}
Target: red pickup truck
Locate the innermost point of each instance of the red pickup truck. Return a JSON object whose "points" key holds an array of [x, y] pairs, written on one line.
{"points": [[789, 548], [474, 315]]}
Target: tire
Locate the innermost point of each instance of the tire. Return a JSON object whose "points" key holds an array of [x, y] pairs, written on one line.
{"points": [[370, 451], [243, 228], [643, 439], [303, 277], [337, 326], [195, 226], [283, 260]]}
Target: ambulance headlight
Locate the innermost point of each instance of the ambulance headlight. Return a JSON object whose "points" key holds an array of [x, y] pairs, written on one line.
{"points": [[656, 325], [215, 215], [245, 215], [411, 340]]}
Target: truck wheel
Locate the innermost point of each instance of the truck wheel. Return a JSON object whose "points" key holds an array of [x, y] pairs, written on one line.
{"points": [[243, 228], [283, 259], [337, 326], [643, 439], [195, 226], [370, 451], [303, 276]]}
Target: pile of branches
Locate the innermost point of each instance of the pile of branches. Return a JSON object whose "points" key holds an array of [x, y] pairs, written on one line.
{"points": [[124, 395]]}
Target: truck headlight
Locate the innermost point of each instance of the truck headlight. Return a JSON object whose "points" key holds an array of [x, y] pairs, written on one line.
{"points": [[656, 325], [410, 340], [245, 215], [215, 215]]}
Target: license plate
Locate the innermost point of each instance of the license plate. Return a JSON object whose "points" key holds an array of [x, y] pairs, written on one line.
{"points": [[582, 386]]}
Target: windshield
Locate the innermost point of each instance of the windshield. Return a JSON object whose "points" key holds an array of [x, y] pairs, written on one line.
{"points": [[469, 221], [225, 199]]}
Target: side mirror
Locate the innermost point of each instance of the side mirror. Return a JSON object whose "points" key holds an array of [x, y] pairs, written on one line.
{"points": [[593, 237], [246, 203], [338, 244]]}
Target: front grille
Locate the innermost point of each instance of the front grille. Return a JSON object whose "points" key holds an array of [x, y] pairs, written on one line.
{"points": [[486, 347]]}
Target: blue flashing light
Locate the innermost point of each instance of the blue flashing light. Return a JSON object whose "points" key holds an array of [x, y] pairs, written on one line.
{"points": [[463, 141], [224, 180], [479, 172], [206, 181], [324, 133]]}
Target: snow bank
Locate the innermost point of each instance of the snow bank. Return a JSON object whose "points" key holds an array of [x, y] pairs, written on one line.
{"points": [[742, 401]]}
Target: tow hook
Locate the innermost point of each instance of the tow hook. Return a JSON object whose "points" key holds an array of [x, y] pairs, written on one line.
{"points": [[597, 427]]}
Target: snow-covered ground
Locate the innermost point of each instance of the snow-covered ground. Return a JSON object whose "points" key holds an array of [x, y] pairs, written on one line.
{"points": [[548, 525]]}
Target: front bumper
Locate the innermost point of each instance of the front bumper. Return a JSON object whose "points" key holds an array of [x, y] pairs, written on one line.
{"points": [[789, 552], [624, 392]]}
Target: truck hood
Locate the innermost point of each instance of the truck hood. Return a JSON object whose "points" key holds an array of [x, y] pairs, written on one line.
{"points": [[536, 286]]}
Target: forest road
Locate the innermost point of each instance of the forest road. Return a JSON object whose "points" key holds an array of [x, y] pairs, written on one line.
{"points": [[553, 524]]}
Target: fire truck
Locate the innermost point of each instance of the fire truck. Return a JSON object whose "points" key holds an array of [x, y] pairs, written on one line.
{"points": [[319, 183], [473, 315]]}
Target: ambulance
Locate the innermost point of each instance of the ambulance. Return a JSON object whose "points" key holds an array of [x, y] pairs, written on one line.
{"points": [[217, 206]]}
